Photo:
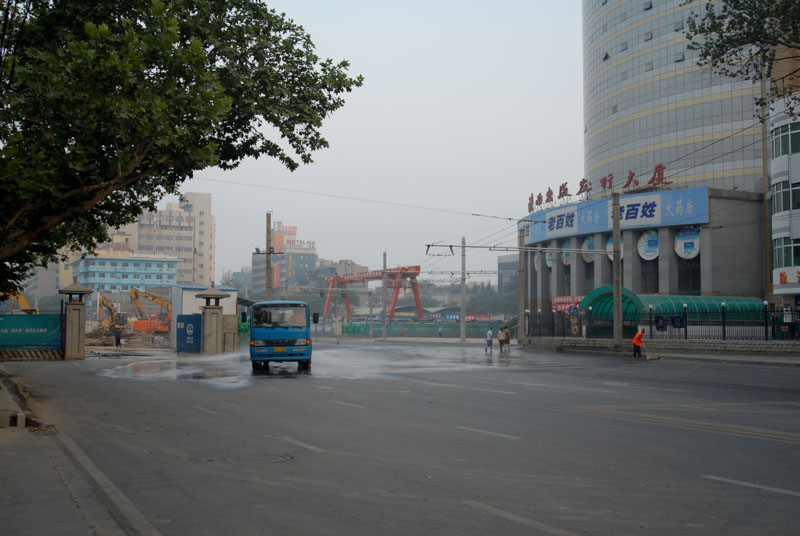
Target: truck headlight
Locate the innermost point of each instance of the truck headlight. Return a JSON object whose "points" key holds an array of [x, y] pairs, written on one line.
{"points": [[258, 343], [302, 342]]}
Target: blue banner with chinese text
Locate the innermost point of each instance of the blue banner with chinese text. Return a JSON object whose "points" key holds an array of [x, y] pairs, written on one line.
{"points": [[637, 211]]}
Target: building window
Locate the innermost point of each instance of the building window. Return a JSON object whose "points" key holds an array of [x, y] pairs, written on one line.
{"points": [[679, 57], [623, 46], [648, 66], [648, 36], [679, 26], [785, 251], [605, 56], [614, 109], [781, 197], [648, 5], [785, 140]]}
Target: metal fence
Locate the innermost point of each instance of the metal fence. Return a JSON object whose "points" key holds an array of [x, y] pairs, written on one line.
{"points": [[767, 324]]}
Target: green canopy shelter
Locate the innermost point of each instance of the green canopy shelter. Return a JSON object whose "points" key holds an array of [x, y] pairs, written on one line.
{"points": [[635, 306]]}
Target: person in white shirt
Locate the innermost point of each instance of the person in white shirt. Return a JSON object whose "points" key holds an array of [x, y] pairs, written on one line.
{"points": [[489, 337]]}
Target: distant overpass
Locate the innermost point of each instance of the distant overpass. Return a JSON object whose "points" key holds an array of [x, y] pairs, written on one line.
{"points": [[394, 280]]}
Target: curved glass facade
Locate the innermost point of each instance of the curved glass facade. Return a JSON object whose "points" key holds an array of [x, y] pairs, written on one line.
{"points": [[647, 102]]}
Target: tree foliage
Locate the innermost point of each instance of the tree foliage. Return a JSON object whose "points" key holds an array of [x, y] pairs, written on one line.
{"points": [[108, 106], [752, 40]]}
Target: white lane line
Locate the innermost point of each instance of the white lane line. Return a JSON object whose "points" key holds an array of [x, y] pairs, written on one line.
{"points": [[470, 388], [518, 519], [563, 388], [751, 485], [348, 404], [131, 513], [487, 432], [301, 444], [625, 384], [201, 408]]}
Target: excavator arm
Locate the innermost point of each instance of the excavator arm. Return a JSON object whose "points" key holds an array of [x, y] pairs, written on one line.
{"points": [[24, 306], [144, 323]]}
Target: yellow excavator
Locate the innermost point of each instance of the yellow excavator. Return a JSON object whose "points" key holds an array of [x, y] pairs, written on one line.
{"points": [[114, 320], [158, 324], [24, 306]]}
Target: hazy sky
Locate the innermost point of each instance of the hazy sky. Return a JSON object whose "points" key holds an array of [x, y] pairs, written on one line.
{"points": [[467, 106]]}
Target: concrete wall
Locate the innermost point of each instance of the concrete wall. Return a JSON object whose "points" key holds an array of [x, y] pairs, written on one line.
{"points": [[732, 245]]}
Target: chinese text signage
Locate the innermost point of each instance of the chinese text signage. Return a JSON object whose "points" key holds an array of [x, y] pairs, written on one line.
{"points": [[666, 208]]}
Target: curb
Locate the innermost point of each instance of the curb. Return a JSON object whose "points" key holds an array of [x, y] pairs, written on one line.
{"points": [[9, 410]]}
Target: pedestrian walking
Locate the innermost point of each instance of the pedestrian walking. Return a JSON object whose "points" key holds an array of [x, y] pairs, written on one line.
{"points": [[637, 344], [501, 338], [489, 337], [440, 331], [508, 338], [118, 337]]}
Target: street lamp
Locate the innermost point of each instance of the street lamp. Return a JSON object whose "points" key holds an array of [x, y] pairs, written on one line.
{"points": [[766, 321], [539, 323], [651, 321], [685, 322], [723, 320], [590, 322]]}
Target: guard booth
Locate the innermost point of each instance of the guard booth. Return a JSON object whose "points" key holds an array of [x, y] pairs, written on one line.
{"points": [[189, 333]]}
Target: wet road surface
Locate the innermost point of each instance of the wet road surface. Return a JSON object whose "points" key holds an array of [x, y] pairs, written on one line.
{"points": [[403, 439]]}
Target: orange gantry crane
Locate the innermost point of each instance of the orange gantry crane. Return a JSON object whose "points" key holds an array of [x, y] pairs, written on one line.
{"points": [[394, 280]]}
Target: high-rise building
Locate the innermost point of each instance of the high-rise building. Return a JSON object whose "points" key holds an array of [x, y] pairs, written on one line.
{"points": [[292, 262], [648, 103], [185, 230], [784, 144], [683, 147]]}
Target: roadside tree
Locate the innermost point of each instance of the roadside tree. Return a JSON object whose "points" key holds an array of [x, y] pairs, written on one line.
{"points": [[752, 40], [108, 106]]}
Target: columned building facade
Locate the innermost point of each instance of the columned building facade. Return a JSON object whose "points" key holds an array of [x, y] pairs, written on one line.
{"points": [[684, 149]]}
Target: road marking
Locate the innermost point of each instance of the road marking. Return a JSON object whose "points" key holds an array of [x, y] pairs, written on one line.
{"points": [[518, 519], [301, 444], [470, 388], [126, 507], [563, 388], [625, 384], [751, 485], [487, 432], [201, 408], [348, 404], [763, 434]]}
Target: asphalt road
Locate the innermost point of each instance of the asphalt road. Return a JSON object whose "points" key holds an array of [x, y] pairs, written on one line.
{"points": [[411, 439]]}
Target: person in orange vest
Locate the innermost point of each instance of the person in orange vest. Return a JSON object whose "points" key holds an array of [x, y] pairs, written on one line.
{"points": [[637, 344]]}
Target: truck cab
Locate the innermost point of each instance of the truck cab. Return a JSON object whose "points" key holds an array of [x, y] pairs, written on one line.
{"points": [[280, 331]]}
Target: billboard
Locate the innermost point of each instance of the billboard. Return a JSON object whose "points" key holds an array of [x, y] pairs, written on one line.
{"points": [[647, 210]]}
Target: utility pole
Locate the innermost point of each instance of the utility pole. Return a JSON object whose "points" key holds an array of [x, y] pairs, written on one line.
{"points": [[765, 207], [520, 290], [384, 295], [463, 289], [268, 265], [617, 273]]}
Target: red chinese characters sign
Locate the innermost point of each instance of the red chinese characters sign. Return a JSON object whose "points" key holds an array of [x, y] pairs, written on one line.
{"points": [[546, 200]]}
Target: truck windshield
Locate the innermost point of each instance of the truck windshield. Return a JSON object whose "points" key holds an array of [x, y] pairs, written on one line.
{"points": [[277, 316]]}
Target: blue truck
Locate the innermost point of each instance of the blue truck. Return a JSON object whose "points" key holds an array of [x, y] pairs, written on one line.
{"points": [[280, 331]]}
